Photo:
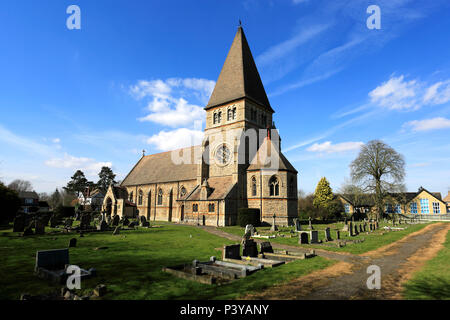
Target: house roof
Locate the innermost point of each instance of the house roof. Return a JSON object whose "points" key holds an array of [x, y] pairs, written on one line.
{"points": [[263, 159], [160, 167], [447, 198], [239, 77], [218, 187], [28, 195]]}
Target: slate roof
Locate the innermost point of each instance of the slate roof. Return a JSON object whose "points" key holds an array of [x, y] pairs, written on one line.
{"points": [[239, 76], [219, 188], [28, 195], [158, 168], [261, 161]]}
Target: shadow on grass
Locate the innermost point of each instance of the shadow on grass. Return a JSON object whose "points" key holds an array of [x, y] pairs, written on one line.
{"points": [[428, 287]]}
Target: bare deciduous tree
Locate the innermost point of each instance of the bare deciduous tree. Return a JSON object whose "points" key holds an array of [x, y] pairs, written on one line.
{"points": [[378, 169], [21, 185]]}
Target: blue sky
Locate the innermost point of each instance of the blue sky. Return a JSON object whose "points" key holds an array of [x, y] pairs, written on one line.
{"points": [[73, 99]]}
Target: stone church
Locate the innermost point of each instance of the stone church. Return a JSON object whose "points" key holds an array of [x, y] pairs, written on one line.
{"points": [[238, 165]]}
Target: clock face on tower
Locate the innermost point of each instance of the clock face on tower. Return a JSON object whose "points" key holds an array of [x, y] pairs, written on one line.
{"points": [[223, 155]]}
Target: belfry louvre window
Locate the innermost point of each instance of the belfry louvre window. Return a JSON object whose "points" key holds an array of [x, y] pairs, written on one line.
{"points": [[274, 186], [140, 198], [230, 114], [211, 207], [219, 117], [195, 207], [436, 208], [215, 118], [160, 196]]}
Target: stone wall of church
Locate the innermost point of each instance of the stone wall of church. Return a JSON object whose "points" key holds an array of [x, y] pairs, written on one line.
{"points": [[169, 209]]}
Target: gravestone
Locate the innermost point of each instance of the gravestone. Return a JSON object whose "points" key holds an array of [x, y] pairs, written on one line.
{"points": [[314, 236], [303, 238], [19, 223], [350, 229], [132, 224], [338, 235], [125, 221], [108, 219], [310, 227], [266, 247], [144, 222], [85, 221], [274, 226], [345, 228], [39, 227], [232, 251], [298, 226], [68, 223], [116, 220], [250, 229], [328, 234], [28, 231], [250, 249], [72, 243], [52, 259], [53, 221], [116, 231], [103, 226]]}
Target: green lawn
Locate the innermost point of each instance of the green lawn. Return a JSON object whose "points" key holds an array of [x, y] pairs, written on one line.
{"points": [[372, 241], [131, 265], [433, 281]]}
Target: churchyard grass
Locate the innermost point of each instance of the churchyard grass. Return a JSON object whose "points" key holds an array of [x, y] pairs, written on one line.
{"points": [[131, 264], [372, 241], [433, 280]]}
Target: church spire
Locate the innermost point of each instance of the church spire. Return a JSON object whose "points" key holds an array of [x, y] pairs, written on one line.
{"points": [[239, 77]]}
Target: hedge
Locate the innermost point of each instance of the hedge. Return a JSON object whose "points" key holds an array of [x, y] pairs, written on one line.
{"points": [[248, 216]]}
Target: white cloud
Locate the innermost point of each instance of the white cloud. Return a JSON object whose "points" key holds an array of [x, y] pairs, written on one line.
{"points": [[396, 94], [438, 93], [85, 164], [175, 139], [56, 140], [169, 100], [428, 124], [328, 147]]}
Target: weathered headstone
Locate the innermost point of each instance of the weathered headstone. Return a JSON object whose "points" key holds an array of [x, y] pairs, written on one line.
{"points": [[103, 226], [303, 238], [116, 231], [125, 221], [19, 223], [85, 221], [116, 220], [310, 224], [250, 248], [314, 236], [72, 243], [274, 226], [232, 251], [350, 229], [298, 226], [328, 234], [39, 227], [143, 222], [250, 229], [266, 247], [68, 223], [53, 221], [338, 235]]}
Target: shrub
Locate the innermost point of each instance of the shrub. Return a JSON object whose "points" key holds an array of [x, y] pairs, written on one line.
{"points": [[10, 203], [64, 212], [248, 216]]}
